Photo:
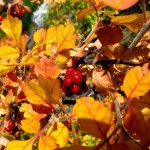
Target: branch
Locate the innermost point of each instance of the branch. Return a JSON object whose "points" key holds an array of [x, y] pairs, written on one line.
{"points": [[143, 30]]}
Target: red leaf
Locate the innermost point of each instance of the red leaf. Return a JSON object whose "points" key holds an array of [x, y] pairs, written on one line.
{"points": [[109, 34]]}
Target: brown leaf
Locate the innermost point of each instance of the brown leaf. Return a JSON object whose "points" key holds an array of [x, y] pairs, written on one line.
{"points": [[109, 34]]}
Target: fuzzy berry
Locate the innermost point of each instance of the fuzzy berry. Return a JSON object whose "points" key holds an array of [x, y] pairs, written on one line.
{"points": [[70, 71], [76, 89], [68, 82]]}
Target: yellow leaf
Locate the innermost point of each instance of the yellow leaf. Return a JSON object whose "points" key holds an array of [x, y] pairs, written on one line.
{"points": [[12, 27], [65, 37], [9, 54], [30, 126], [136, 82], [93, 116], [52, 89], [59, 132], [5, 69], [20, 145], [133, 22], [29, 113], [61, 60], [47, 143], [39, 36], [27, 59], [34, 93]]}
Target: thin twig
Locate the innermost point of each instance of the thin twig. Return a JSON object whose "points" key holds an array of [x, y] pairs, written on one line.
{"points": [[144, 10], [139, 36]]}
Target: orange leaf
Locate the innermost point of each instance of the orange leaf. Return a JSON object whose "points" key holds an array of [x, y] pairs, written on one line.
{"points": [[109, 34], [20, 145], [136, 82], [86, 11], [77, 148], [137, 119], [34, 93], [52, 89], [93, 116], [30, 126], [47, 68], [30, 113], [47, 143], [60, 132], [102, 80], [119, 4]]}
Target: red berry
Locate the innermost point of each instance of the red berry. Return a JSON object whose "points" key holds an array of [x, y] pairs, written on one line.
{"points": [[77, 72], [70, 71], [21, 11], [67, 91], [10, 126], [77, 79], [68, 82], [1, 18], [76, 89]]}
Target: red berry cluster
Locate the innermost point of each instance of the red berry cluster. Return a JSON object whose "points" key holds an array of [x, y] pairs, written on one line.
{"points": [[10, 127], [1, 18], [17, 11], [74, 82]]}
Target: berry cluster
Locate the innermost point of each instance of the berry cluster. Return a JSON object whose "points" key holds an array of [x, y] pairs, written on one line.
{"points": [[17, 11], [10, 127], [1, 18], [74, 82]]}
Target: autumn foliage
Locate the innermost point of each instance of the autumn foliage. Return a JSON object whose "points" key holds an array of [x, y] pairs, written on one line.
{"points": [[114, 109]]}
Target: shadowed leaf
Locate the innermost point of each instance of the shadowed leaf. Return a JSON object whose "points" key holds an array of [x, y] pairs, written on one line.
{"points": [[93, 116]]}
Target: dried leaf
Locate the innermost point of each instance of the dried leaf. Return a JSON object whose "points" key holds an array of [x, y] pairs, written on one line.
{"points": [[20, 145], [30, 126], [34, 93], [47, 143], [136, 83], [60, 132], [93, 116], [47, 68], [52, 89], [119, 4]]}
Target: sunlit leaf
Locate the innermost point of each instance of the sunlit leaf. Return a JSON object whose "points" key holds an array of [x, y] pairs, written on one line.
{"points": [[60, 132], [9, 54], [52, 89], [119, 4], [31, 113], [27, 59], [136, 83], [93, 116], [20, 145], [134, 22], [34, 93], [65, 37], [47, 68], [5, 69], [30, 126], [47, 143], [12, 27]]}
